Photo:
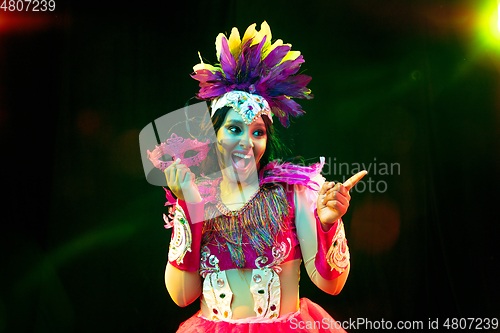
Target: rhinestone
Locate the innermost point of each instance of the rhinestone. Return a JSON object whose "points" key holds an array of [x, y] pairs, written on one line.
{"points": [[257, 278], [259, 310], [226, 314], [215, 311], [222, 295], [220, 283], [260, 291], [273, 307]]}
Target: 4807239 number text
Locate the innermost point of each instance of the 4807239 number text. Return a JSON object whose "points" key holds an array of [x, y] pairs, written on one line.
{"points": [[28, 5]]}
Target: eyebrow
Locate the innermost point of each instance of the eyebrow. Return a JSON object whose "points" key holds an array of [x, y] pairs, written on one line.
{"points": [[241, 123], [235, 121]]}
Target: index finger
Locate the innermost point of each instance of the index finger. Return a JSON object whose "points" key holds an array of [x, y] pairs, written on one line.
{"points": [[354, 179]]}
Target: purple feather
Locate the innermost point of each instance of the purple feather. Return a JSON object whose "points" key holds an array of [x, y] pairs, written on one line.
{"points": [[205, 75], [243, 60], [282, 72], [287, 68], [211, 92], [210, 83], [294, 86], [227, 62], [288, 107], [255, 55], [276, 82], [275, 56]]}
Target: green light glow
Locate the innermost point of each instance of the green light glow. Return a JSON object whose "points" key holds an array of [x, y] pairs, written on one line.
{"points": [[498, 17], [488, 26]]}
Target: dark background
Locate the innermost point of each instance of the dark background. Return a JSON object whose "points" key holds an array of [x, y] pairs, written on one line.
{"points": [[83, 248]]}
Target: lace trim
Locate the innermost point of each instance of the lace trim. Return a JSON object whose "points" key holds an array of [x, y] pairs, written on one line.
{"points": [[266, 291], [209, 263], [266, 287], [218, 295], [181, 237], [338, 253]]}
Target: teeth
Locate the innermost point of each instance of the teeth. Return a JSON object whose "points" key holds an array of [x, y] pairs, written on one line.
{"points": [[241, 155]]}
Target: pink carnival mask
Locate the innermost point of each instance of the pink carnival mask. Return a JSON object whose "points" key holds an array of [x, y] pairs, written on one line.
{"points": [[176, 147]]}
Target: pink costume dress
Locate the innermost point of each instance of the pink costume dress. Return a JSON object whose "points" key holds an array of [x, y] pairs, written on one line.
{"points": [[261, 236]]}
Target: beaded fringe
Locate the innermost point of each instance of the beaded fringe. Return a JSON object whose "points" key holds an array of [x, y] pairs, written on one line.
{"points": [[258, 222]]}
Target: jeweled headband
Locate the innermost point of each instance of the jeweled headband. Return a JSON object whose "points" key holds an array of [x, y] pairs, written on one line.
{"points": [[253, 76], [247, 105]]}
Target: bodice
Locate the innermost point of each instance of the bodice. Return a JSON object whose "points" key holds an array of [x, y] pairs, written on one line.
{"points": [[251, 237], [274, 247]]}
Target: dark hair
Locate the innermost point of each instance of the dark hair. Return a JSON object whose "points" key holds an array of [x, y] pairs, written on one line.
{"points": [[275, 149]]}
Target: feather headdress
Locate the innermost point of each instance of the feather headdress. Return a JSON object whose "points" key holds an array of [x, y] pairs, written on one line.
{"points": [[254, 65]]}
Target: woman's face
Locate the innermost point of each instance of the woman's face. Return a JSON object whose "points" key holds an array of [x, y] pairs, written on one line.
{"points": [[241, 146]]}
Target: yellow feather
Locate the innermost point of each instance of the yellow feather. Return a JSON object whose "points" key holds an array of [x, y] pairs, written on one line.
{"points": [[202, 65], [264, 27], [235, 42], [292, 55], [249, 33], [218, 44], [277, 43], [206, 66], [265, 30]]}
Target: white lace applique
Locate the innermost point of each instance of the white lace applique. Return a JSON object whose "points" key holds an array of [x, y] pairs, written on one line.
{"points": [[338, 254], [280, 252], [218, 295], [266, 292], [216, 290], [265, 285], [209, 263], [181, 240]]}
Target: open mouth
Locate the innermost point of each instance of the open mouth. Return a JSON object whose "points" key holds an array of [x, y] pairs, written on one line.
{"points": [[241, 161]]}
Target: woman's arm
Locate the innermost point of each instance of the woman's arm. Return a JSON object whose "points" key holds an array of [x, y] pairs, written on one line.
{"points": [[182, 275], [307, 233], [321, 233], [184, 287]]}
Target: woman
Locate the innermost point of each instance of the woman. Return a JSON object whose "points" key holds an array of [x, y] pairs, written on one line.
{"points": [[238, 240]]}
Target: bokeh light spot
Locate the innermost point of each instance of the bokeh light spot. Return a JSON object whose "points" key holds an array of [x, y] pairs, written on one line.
{"points": [[375, 226], [89, 122], [124, 153]]}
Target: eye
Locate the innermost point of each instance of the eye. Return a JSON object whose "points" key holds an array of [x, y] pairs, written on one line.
{"points": [[259, 132], [234, 129]]}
